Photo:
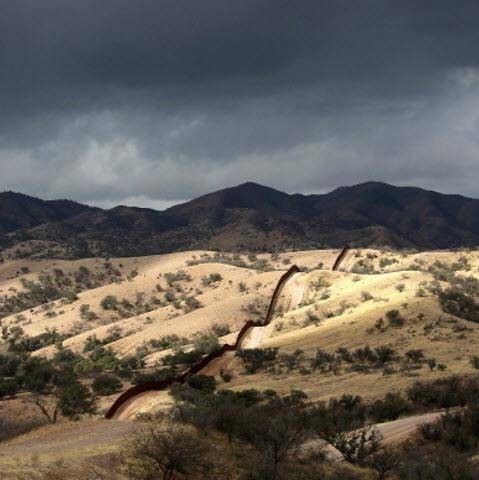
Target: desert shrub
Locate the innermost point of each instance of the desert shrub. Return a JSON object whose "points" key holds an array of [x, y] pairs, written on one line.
{"points": [[291, 361], [363, 266], [206, 343], [384, 262], [106, 384], [434, 461], [155, 376], [388, 408], [311, 319], [9, 365], [211, 278], [255, 359], [110, 302], [415, 355], [345, 413], [365, 296], [221, 329], [445, 392], [55, 387], [365, 354], [178, 276], [167, 341], [226, 376], [320, 283], [165, 450], [261, 264], [8, 387], [203, 383], [394, 318], [420, 292], [133, 273], [456, 303], [86, 313], [191, 303], [357, 446], [256, 309], [475, 362], [91, 342], [19, 343], [99, 359], [379, 324], [127, 365], [460, 429], [431, 363], [384, 354], [182, 358], [324, 361], [169, 297]]}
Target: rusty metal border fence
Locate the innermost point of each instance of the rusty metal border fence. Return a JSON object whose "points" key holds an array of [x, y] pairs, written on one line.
{"points": [[197, 367], [340, 258]]}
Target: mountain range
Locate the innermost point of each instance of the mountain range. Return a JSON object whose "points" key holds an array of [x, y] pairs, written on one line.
{"points": [[248, 217]]}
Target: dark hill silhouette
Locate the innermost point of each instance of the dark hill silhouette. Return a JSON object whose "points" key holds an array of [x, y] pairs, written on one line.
{"points": [[254, 217], [22, 211]]}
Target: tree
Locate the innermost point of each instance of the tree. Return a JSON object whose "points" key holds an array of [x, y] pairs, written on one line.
{"points": [[389, 407], [383, 462], [55, 388], [105, 384], [162, 450], [274, 432], [357, 446], [75, 399]]}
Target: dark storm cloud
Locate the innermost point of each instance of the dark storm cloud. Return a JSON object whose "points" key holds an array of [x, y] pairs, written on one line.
{"points": [[150, 101]]}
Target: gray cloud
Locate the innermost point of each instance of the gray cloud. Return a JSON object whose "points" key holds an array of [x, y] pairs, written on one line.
{"points": [[150, 102]]}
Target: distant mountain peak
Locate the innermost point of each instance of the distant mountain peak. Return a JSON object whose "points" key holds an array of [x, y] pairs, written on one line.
{"points": [[249, 216]]}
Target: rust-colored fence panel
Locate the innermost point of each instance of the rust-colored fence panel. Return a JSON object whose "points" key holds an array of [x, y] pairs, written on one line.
{"points": [[340, 258]]}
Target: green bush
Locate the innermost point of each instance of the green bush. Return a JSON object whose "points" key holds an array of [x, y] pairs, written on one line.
{"points": [[76, 399], [255, 358], [460, 305], [8, 387], [394, 318], [110, 302], [221, 329], [105, 384], [445, 392], [203, 383], [388, 408], [211, 278]]}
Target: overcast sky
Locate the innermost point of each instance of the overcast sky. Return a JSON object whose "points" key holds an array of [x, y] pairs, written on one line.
{"points": [[150, 102]]}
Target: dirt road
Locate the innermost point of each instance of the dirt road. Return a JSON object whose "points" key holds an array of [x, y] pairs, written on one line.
{"points": [[78, 440], [399, 430]]}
